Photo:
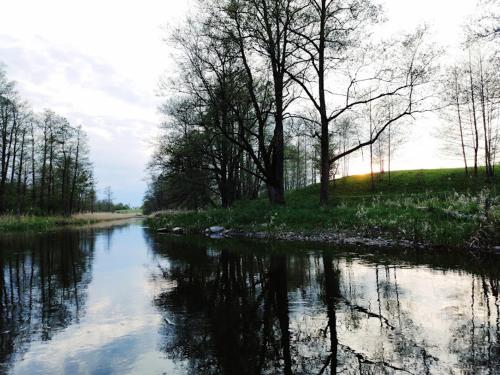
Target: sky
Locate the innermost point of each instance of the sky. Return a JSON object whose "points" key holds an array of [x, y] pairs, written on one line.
{"points": [[99, 63]]}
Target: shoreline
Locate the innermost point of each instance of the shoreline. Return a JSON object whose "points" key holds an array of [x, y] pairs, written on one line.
{"points": [[322, 237], [331, 239], [424, 208], [17, 224]]}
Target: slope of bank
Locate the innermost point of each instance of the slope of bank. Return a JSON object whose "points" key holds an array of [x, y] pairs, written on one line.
{"points": [[440, 207], [43, 223]]}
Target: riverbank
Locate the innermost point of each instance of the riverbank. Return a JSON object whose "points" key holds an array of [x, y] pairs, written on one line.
{"points": [[439, 208], [43, 223]]}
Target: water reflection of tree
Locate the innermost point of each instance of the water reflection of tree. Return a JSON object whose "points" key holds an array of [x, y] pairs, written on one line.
{"points": [[252, 312], [229, 313], [42, 287], [476, 340], [345, 311]]}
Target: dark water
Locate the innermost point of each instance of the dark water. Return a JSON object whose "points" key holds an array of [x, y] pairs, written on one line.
{"points": [[122, 301]]}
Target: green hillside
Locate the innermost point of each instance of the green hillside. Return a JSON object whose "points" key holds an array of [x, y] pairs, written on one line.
{"points": [[442, 207]]}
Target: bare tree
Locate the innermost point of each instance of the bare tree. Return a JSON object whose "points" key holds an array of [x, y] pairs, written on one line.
{"points": [[261, 34], [471, 93], [39, 171], [214, 101], [456, 100], [330, 36], [485, 23], [108, 197]]}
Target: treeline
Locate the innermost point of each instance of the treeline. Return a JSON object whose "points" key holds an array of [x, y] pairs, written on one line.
{"points": [[472, 97], [45, 167], [278, 94]]}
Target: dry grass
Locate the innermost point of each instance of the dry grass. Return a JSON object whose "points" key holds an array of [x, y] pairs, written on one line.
{"points": [[9, 223], [104, 216]]}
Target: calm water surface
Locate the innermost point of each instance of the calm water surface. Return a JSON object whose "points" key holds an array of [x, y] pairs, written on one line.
{"points": [[120, 300]]}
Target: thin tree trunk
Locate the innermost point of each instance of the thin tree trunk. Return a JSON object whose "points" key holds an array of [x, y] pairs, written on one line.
{"points": [[14, 155], [371, 151], [43, 181], [75, 175], [33, 167], [487, 158], [389, 156], [474, 118], [297, 166], [459, 114], [19, 174]]}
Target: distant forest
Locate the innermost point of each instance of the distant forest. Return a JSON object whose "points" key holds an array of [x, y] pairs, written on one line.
{"points": [[275, 95], [45, 166]]}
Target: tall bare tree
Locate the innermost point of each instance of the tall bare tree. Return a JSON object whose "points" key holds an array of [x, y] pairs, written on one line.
{"points": [[44, 164], [261, 33], [332, 62]]}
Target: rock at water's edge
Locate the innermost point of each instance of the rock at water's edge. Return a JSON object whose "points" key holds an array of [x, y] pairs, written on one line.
{"points": [[216, 230]]}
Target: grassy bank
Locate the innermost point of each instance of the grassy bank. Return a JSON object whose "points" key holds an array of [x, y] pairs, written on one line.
{"points": [[439, 207], [43, 223]]}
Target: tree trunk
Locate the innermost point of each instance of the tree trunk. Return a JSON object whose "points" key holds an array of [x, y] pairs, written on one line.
{"points": [[33, 167], [457, 92], [389, 155], [305, 163], [325, 165], [14, 155], [6, 150], [50, 187], [487, 156], [474, 118], [276, 193], [297, 166], [19, 175], [276, 185], [371, 151], [44, 168], [325, 136], [372, 178]]}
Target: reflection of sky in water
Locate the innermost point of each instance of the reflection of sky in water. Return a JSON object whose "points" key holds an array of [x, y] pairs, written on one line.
{"points": [[119, 331], [147, 295], [430, 307]]}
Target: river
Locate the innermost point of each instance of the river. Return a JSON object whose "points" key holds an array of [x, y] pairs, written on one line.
{"points": [[122, 300]]}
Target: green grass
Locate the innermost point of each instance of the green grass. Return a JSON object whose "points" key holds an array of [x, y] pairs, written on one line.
{"points": [[440, 207]]}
